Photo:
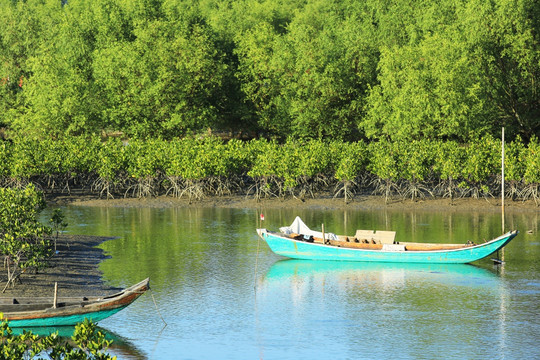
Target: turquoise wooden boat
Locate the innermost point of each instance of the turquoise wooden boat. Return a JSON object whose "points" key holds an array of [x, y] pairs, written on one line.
{"points": [[299, 242], [68, 311]]}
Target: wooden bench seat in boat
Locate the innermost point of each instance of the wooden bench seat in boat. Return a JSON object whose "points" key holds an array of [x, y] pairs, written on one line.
{"points": [[377, 237]]}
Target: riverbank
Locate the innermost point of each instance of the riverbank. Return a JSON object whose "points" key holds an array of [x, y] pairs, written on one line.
{"points": [[319, 203], [75, 267]]}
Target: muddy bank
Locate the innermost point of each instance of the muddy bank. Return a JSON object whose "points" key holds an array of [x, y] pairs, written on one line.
{"points": [[321, 202], [75, 268]]}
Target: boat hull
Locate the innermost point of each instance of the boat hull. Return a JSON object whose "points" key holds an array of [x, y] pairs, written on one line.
{"points": [[68, 320], [69, 312], [298, 249]]}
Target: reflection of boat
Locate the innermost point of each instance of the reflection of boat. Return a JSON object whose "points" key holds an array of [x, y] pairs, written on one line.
{"points": [[292, 268], [305, 280], [298, 241], [120, 345], [30, 312]]}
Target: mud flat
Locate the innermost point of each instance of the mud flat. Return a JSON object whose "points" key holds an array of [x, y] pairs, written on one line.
{"points": [[75, 267], [322, 202]]}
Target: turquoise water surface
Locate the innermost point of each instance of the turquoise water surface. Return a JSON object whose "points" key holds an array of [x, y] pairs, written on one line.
{"points": [[225, 295]]}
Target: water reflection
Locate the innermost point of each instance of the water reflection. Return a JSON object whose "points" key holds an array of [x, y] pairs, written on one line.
{"points": [[286, 268], [202, 263], [354, 301], [384, 276]]}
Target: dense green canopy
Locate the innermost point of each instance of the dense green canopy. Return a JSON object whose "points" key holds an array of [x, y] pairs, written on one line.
{"points": [[345, 70]]}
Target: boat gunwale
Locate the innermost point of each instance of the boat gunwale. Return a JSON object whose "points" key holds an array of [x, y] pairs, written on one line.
{"points": [[508, 236], [96, 304]]}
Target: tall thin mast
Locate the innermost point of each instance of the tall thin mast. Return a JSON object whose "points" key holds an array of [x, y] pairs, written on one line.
{"points": [[502, 181]]}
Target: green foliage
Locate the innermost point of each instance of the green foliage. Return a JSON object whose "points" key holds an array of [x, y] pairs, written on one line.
{"points": [[80, 155], [109, 162], [503, 36], [514, 167], [143, 160], [23, 240], [167, 81], [326, 74], [351, 164], [265, 167], [333, 70], [532, 161], [199, 166], [427, 90], [193, 166], [21, 32], [449, 159], [384, 159], [319, 157], [310, 81], [416, 163], [384, 165], [532, 171], [259, 76], [416, 160], [448, 162], [482, 161], [88, 344], [515, 163], [5, 160], [57, 224]]}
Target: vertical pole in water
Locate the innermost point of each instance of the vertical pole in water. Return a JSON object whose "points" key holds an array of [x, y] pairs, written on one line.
{"points": [[55, 301], [323, 239], [502, 180], [501, 258]]}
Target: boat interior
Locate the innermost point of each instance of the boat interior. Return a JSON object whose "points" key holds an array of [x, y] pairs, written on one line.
{"points": [[377, 240], [8, 305], [28, 303]]}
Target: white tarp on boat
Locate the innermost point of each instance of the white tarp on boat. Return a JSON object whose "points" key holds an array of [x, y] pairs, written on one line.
{"points": [[298, 227]]}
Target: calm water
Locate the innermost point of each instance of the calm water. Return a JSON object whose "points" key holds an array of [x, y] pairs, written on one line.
{"points": [[225, 295]]}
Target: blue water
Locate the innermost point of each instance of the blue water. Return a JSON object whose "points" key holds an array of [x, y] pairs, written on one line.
{"points": [[224, 295]]}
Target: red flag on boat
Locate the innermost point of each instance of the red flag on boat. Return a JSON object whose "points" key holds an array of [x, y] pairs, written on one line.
{"points": [[262, 216]]}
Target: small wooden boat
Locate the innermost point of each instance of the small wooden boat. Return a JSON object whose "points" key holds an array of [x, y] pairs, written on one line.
{"points": [[38, 312], [299, 242]]}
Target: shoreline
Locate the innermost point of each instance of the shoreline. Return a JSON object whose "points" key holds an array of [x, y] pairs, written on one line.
{"points": [[76, 265], [366, 202]]}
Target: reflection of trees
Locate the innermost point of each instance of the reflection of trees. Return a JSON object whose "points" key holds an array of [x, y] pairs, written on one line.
{"points": [[179, 245], [176, 246]]}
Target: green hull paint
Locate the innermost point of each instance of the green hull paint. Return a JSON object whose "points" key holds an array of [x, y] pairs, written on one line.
{"points": [[30, 312], [69, 320]]}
